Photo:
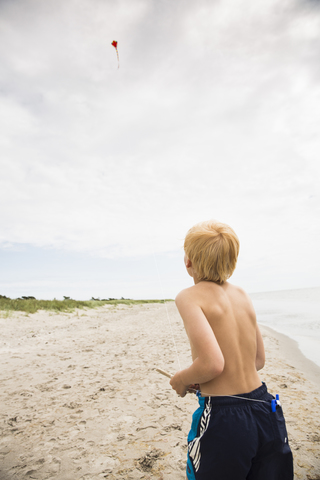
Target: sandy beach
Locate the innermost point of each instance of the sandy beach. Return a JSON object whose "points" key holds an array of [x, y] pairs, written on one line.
{"points": [[80, 396]]}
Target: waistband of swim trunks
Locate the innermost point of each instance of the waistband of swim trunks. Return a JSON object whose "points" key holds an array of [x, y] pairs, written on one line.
{"points": [[260, 393]]}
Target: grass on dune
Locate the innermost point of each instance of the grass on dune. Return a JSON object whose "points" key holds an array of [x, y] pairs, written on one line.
{"points": [[32, 305]]}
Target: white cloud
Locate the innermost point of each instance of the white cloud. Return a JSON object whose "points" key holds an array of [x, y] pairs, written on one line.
{"points": [[211, 114]]}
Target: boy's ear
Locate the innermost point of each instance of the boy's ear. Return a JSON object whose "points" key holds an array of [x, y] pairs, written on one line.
{"points": [[188, 263]]}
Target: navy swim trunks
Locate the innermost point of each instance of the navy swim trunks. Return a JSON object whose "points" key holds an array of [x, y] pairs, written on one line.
{"points": [[239, 439]]}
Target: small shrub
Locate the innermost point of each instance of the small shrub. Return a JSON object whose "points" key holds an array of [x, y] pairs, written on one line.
{"points": [[32, 305]]}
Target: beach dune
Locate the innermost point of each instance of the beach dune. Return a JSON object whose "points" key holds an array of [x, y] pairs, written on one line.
{"points": [[80, 396]]}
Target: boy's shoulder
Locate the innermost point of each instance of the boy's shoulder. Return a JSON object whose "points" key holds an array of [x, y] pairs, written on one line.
{"points": [[197, 293], [186, 294], [204, 290]]}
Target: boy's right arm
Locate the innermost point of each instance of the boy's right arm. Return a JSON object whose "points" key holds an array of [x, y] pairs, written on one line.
{"points": [[260, 355]]}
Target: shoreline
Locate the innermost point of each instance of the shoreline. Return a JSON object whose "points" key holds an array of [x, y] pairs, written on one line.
{"points": [[293, 313], [291, 352]]}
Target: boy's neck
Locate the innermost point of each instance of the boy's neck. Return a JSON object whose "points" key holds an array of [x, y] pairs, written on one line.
{"points": [[196, 279]]}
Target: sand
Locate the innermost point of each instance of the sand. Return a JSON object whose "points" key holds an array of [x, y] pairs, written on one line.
{"points": [[80, 397]]}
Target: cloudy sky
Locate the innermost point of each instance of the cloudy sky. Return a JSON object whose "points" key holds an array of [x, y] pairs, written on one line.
{"points": [[213, 113]]}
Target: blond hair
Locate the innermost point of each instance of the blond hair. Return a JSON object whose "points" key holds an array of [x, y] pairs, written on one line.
{"points": [[213, 249]]}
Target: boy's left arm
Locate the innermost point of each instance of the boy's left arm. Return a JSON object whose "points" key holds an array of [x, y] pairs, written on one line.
{"points": [[209, 361]]}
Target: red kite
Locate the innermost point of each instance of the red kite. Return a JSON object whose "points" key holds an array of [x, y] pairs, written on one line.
{"points": [[115, 45]]}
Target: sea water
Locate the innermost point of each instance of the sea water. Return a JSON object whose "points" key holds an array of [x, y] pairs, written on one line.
{"points": [[295, 313]]}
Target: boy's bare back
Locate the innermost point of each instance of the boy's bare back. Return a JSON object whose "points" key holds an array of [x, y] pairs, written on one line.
{"points": [[221, 317]]}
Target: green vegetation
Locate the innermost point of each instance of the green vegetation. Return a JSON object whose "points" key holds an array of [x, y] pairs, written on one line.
{"points": [[32, 305]]}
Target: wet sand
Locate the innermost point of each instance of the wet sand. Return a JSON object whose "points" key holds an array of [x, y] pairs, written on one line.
{"points": [[80, 397]]}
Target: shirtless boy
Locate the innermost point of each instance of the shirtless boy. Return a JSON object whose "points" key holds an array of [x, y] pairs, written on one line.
{"points": [[234, 433]]}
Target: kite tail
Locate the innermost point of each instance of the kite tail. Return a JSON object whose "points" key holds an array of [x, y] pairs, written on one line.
{"points": [[118, 58]]}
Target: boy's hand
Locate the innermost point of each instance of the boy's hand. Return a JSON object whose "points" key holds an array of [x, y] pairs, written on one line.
{"points": [[177, 385], [194, 388]]}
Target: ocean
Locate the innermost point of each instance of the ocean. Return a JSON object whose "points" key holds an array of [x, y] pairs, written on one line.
{"points": [[295, 313]]}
